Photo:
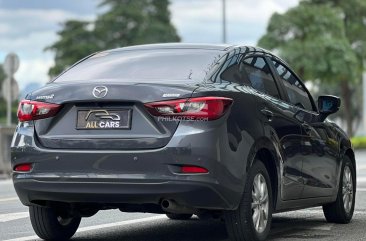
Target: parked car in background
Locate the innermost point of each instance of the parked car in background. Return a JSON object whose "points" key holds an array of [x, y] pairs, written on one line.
{"points": [[180, 129]]}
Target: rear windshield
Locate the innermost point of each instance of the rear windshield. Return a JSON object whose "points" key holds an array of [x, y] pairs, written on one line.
{"points": [[144, 65]]}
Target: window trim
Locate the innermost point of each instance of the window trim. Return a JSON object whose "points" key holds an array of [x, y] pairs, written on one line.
{"points": [[215, 76], [265, 58], [283, 87]]}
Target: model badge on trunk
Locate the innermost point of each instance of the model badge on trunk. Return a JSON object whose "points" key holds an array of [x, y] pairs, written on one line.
{"points": [[100, 91]]}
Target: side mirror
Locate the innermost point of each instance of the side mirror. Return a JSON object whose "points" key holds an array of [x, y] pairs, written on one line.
{"points": [[328, 104]]}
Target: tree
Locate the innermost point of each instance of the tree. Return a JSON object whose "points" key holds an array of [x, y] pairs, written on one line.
{"points": [[125, 22], [334, 89], [313, 38], [353, 16], [76, 41], [131, 22]]}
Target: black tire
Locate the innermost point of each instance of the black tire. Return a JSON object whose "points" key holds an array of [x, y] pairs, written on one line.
{"points": [[239, 223], [49, 226], [336, 212], [176, 216]]}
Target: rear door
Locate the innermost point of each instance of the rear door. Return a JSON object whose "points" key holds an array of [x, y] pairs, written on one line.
{"points": [[278, 122]]}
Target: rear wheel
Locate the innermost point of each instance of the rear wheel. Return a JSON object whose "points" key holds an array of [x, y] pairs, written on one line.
{"points": [[176, 216], [50, 226], [341, 211], [252, 220]]}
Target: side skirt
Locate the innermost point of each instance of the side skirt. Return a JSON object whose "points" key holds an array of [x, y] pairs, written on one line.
{"points": [[291, 205]]}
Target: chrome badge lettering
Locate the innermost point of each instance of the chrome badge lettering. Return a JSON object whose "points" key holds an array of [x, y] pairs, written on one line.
{"points": [[171, 95], [45, 97]]}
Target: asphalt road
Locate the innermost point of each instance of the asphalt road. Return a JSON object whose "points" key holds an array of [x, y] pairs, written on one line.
{"points": [[111, 225]]}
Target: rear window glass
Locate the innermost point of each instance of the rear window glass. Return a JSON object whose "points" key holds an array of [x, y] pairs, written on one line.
{"points": [[144, 65]]}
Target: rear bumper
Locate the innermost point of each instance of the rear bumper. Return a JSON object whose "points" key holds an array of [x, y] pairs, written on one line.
{"points": [[190, 194], [134, 177]]}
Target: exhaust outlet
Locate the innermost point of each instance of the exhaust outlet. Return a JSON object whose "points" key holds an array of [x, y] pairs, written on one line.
{"points": [[171, 206]]}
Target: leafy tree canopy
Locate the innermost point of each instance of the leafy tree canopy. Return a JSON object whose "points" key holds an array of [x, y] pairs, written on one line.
{"points": [[353, 14], [76, 41], [312, 38], [322, 41], [125, 22]]}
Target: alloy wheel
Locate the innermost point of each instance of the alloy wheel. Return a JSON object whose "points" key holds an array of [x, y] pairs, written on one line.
{"points": [[347, 189], [260, 205]]}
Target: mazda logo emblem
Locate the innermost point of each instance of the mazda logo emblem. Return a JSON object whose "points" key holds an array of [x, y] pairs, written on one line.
{"points": [[100, 91]]}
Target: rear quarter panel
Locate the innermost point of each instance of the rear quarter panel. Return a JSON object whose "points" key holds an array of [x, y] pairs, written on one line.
{"points": [[242, 137]]}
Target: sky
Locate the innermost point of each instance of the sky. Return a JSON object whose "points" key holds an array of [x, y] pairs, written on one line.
{"points": [[27, 27]]}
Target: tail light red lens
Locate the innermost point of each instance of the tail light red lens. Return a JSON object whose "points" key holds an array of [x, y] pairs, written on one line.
{"points": [[210, 108], [193, 169], [26, 167], [34, 110]]}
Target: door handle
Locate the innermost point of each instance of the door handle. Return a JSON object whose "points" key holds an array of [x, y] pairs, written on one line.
{"points": [[267, 113], [306, 127]]}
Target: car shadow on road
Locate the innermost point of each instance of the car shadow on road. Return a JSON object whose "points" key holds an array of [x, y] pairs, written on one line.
{"points": [[283, 228], [290, 228], [165, 230]]}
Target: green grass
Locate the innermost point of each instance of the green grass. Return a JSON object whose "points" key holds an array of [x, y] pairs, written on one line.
{"points": [[359, 142]]}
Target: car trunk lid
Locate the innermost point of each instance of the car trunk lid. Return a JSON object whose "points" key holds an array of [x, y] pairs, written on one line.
{"points": [[119, 120]]}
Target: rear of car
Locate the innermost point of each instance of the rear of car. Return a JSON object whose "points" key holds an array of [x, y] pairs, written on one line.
{"points": [[124, 129]]}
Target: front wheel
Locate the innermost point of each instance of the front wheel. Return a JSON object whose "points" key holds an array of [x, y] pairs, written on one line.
{"points": [[341, 211], [50, 226], [252, 220]]}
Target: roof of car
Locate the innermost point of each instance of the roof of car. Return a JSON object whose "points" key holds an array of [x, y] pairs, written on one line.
{"points": [[222, 47], [195, 46], [218, 47]]}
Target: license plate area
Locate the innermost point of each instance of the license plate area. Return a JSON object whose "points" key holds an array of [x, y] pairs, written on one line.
{"points": [[102, 119]]}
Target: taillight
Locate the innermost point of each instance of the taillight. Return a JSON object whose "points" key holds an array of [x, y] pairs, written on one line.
{"points": [[33, 110], [210, 108]]}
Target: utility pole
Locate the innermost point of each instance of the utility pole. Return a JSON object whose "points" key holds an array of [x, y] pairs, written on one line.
{"points": [[224, 21]]}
